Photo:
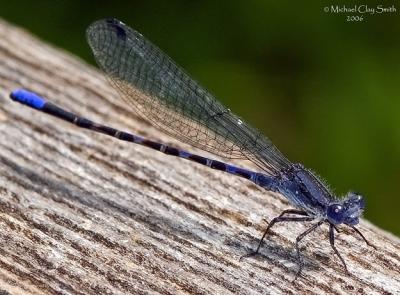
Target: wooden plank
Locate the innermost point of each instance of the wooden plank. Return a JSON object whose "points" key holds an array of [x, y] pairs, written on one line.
{"points": [[81, 213]]}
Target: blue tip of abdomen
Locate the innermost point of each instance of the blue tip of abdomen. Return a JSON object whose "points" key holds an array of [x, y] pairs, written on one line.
{"points": [[28, 98]]}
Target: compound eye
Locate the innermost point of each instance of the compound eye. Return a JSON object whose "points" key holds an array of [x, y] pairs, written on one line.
{"points": [[337, 209], [335, 213]]}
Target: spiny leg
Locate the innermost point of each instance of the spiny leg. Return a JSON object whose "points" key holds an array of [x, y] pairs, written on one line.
{"points": [[335, 227], [298, 239], [332, 242], [362, 236], [277, 219]]}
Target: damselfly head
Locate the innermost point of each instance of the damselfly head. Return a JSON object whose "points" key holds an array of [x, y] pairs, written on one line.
{"points": [[347, 211]]}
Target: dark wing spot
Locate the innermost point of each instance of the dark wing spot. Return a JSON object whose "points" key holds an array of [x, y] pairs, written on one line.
{"points": [[118, 27]]}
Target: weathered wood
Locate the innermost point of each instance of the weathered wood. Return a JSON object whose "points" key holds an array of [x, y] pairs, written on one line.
{"points": [[81, 213]]}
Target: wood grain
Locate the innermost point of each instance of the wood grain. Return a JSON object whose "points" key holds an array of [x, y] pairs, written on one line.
{"points": [[81, 213]]}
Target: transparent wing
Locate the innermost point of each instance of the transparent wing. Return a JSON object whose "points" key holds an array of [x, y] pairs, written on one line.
{"points": [[159, 90]]}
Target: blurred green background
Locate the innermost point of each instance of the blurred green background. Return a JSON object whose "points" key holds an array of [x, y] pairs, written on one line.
{"points": [[325, 90]]}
